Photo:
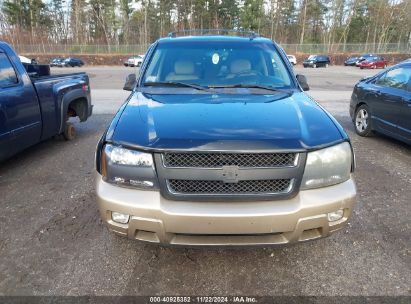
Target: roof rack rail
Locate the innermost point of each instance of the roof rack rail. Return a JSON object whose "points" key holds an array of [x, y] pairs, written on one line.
{"points": [[249, 34]]}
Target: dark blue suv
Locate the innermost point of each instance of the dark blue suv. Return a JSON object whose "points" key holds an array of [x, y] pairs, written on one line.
{"points": [[219, 145]]}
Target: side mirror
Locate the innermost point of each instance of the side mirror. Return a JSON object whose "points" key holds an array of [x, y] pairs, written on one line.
{"points": [[131, 81], [302, 80]]}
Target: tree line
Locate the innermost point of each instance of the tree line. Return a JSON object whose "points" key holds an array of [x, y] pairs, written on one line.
{"points": [[115, 22]]}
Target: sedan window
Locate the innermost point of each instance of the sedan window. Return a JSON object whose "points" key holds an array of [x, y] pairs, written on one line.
{"points": [[397, 78]]}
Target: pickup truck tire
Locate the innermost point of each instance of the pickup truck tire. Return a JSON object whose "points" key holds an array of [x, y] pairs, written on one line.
{"points": [[69, 132], [362, 121]]}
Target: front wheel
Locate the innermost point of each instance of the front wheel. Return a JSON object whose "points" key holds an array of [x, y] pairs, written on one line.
{"points": [[362, 121], [314, 66], [69, 132]]}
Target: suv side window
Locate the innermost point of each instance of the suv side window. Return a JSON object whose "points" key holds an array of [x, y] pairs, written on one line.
{"points": [[8, 76], [397, 78]]}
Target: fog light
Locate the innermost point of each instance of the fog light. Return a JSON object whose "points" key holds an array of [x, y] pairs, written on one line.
{"points": [[120, 217], [336, 215]]}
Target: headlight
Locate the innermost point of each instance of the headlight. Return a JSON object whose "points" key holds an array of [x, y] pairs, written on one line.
{"points": [[327, 166], [130, 168], [122, 156]]}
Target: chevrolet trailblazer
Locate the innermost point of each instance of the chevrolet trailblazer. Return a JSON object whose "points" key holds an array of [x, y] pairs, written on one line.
{"points": [[218, 144]]}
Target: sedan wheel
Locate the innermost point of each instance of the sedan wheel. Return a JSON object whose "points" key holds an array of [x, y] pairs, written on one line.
{"points": [[362, 121]]}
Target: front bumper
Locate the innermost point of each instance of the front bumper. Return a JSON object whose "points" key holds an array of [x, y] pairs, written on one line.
{"points": [[156, 219]]}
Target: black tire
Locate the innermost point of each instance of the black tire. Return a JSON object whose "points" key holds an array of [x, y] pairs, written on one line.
{"points": [[69, 132], [362, 121]]}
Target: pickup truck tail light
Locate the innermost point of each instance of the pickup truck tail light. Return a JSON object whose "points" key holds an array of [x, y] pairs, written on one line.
{"points": [[85, 87]]}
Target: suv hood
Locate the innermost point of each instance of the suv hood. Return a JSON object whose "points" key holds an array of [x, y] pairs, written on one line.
{"points": [[223, 122]]}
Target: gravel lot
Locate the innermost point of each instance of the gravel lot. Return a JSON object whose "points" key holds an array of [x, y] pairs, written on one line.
{"points": [[52, 241]]}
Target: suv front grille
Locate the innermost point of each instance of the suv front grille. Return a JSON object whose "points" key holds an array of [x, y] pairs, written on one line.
{"points": [[218, 160], [215, 187]]}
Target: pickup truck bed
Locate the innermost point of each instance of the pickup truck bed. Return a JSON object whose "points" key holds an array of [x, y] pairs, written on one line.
{"points": [[55, 108], [34, 107]]}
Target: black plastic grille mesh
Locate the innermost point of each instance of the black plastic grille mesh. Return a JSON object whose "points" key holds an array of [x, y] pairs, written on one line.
{"points": [[179, 186], [218, 160]]}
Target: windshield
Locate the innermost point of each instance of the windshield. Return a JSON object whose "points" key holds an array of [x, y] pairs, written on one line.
{"points": [[312, 57], [217, 64]]}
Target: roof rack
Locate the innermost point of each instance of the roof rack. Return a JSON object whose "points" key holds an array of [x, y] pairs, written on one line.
{"points": [[204, 32]]}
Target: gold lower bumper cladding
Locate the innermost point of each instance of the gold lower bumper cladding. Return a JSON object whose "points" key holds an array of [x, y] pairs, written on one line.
{"points": [[190, 223]]}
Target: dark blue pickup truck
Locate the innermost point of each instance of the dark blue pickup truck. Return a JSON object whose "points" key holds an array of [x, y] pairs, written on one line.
{"points": [[218, 144], [35, 106]]}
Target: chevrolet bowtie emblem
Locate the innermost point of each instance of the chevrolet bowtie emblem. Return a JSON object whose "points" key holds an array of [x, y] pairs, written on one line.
{"points": [[230, 174]]}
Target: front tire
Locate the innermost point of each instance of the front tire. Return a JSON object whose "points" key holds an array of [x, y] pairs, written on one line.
{"points": [[314, 66], [362, 121]]}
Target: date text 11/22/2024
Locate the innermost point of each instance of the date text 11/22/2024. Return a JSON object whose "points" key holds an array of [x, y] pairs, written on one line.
{"points": [[203, 299]]}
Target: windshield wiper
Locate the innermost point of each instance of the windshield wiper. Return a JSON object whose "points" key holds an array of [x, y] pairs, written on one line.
{"points": [[251, 86], [174, 84]]}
